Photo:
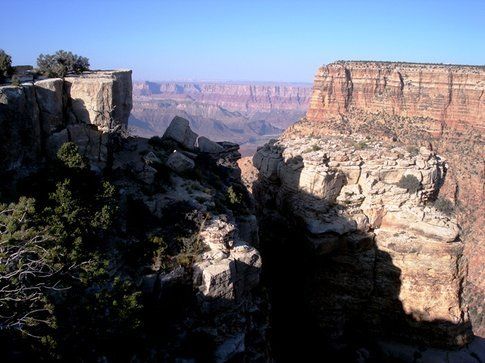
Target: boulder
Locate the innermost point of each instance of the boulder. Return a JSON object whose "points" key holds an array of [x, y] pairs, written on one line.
{"points": [[209, 146], [179, 163], [179, 131], [217, 280]]}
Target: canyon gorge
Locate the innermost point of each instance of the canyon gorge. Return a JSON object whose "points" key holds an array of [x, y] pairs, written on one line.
{"points": [[355, 236], [246, 113]]}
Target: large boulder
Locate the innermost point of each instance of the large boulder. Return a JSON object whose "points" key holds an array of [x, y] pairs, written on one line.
{"points": [[209, 146], [179, 131]]}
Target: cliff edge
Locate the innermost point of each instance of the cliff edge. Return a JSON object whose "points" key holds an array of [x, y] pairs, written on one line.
{"points": [[36, 118], [441, 107]]}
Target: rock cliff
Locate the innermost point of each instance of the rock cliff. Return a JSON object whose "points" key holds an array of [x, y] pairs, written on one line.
{"points": [[36, 118], [379, 262], [438, 106], [357, 191]]}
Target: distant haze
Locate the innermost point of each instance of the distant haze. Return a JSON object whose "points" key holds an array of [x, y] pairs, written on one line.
{"points": [[248, 114]]}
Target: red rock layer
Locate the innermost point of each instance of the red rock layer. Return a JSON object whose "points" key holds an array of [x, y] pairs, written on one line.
{"points": [[453, 95], [417, 104]]}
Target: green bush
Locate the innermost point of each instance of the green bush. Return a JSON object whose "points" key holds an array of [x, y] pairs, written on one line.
{"points": [[413, 150], [5, 65], [360, 145], [61, 64], [68, 154], [233, 197], [409, 182], [26, 270], [444, 205]]}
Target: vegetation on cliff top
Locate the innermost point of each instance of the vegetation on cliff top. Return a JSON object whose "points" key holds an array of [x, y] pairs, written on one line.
{"points": [[5, 65], [61, 63]]}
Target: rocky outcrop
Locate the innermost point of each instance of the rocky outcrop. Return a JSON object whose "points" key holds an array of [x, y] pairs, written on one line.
{"points": [[437, 106], [380, 260], [37, 118], [100, 98], [215, 270]]}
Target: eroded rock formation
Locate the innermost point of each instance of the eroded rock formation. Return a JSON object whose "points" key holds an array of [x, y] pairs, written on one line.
{"points": [[380, 263], [215, 284], [38, 117], [384, 263], [240, 97], [437, 106]]}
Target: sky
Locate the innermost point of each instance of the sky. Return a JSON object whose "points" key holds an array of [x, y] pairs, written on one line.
{"points": [[250, 40]]}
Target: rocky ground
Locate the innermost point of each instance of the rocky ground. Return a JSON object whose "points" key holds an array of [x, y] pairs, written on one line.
{"points": [[220, 266]]}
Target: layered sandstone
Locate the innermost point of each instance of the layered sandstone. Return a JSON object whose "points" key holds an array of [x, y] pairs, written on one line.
{"points": [[438, 106], [381, 260], [452, 95]]}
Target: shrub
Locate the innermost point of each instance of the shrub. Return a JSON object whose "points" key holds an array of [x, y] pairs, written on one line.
{"points": [[444, 205], [409, 182], [233, 197], [69, 156], [413, 150], [27, 270], [360, 145], [61, 63], [5, 65]]}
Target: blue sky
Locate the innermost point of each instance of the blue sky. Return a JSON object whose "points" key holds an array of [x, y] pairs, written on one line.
{"points": [[251, 40]]}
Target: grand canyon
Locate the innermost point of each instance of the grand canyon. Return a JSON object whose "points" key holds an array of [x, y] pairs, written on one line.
{"points": [[352, 234]]}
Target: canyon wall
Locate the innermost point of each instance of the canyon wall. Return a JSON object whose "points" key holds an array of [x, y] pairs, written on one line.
{"points": [[234, 97], [449, 95], [441, 107], [378, 262], [36, 118]]}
